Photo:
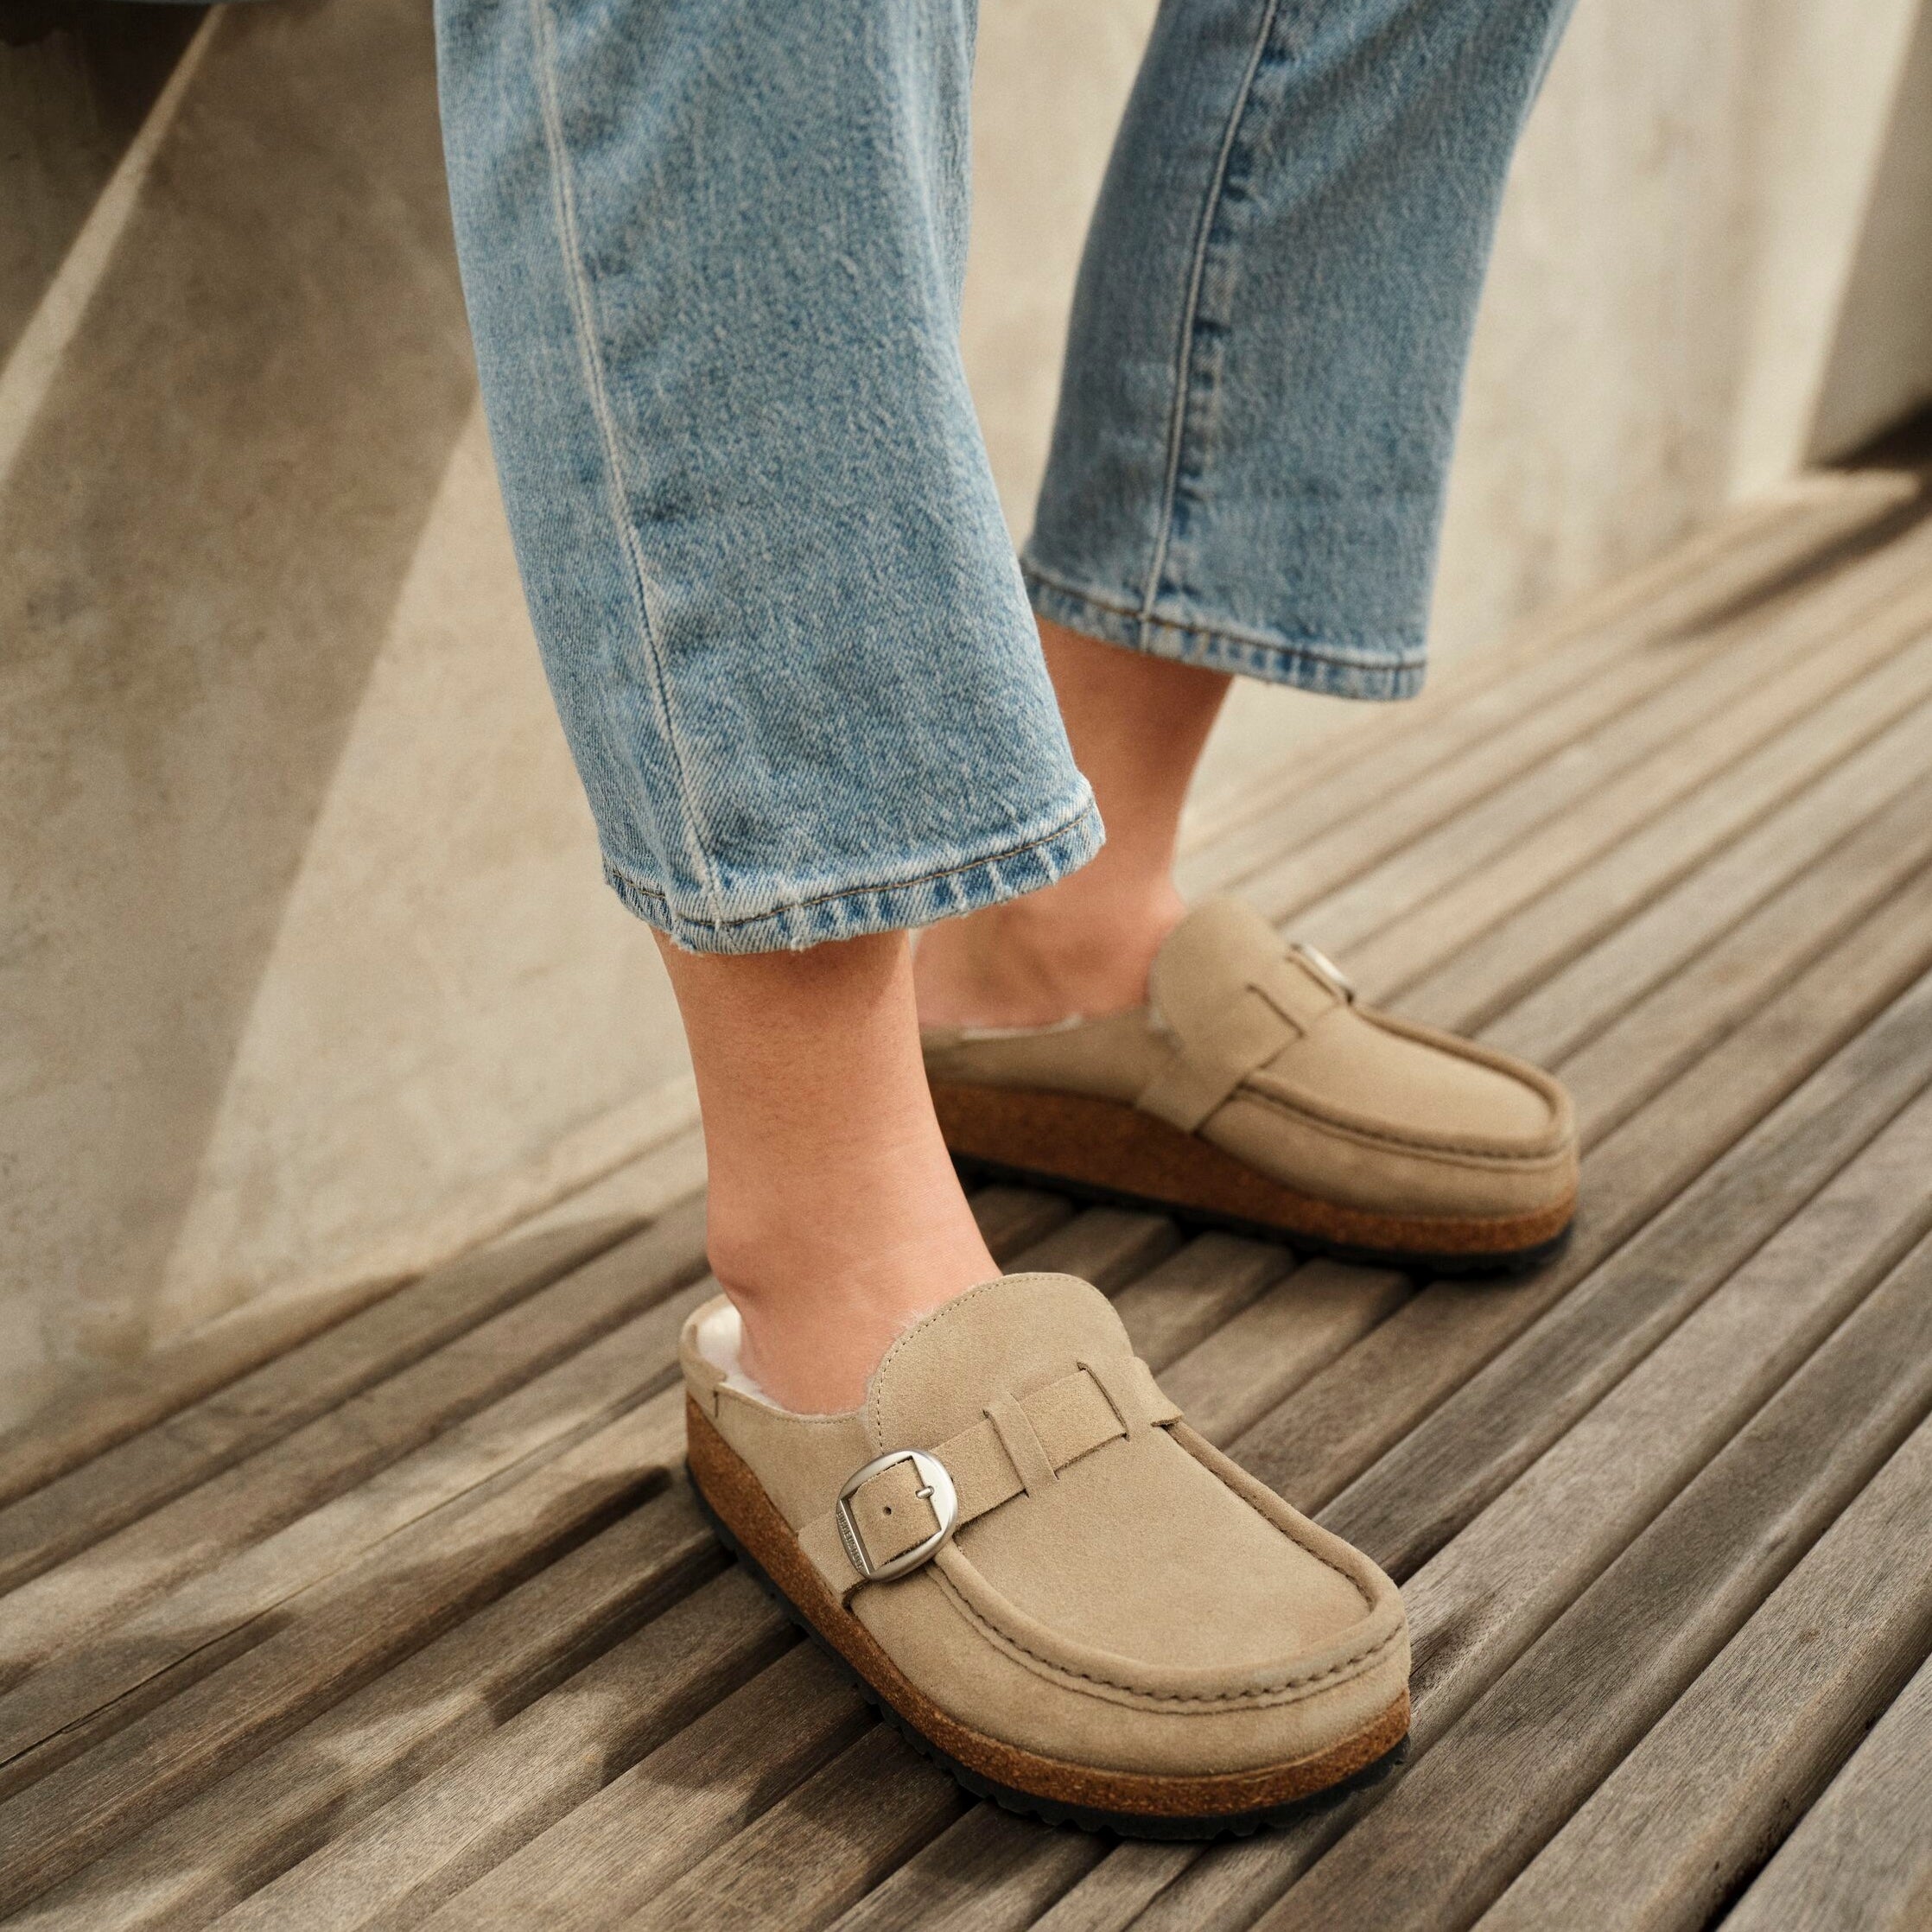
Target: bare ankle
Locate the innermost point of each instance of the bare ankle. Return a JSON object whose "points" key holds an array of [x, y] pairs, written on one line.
{"points": [[1043, 959], [814, 1329]]}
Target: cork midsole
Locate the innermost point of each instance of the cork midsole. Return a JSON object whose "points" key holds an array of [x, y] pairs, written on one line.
{"points": [[1114, 1148], [739, 1499]]}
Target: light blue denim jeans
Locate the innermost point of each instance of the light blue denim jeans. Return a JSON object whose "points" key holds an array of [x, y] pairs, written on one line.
{"points": [[713, 252]]}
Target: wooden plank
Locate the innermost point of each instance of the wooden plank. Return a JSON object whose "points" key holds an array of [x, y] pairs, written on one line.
{"points": [[426, 1843], [88, 1689], [46, 1717], [1109, 1247], [820, 1849], [1488, 1796], [400, 1864], [399, 1371], [1783, 850], [1180, 1304], [355, 1626], [1743, 1752], [1752, 769], [1509, 959], [1686, 736], [1363, 1403], [1481, 1437], [1326, 858], [611, 1855], [1507, 1576], [1260, 1357], [991, 1872], [359, 1754], [1784, 548], [1012, 1219], [1860, 1859], [1666, 1030], [1121, 1888], [464, 1384]]}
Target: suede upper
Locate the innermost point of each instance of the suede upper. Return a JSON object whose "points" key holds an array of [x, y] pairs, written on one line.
{"points": [[1260, 1049], [1117, 1593]]}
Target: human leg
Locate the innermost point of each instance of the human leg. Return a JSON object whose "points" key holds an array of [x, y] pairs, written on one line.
{"points": [[833, 1226], [1256, 421], [712, 252], [1247, 476]]}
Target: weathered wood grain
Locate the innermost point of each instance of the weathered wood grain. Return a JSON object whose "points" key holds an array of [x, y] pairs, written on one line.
{"points": [[989, 1872], [44, 1719], [1775, 556], [1512, 1572], [1667, 1029], [1784, 848], [1262, 1355], [822, 1848], [1469, 1449], [1010, 1219], [423, 1357], [1120, 1889], [359, 1754], [1720, 1779], [1107, 1246], [612, 1854], [1691, 735], [85, 1691], [1488, 1794], [398, 1864], [357, 1624], [1860, 1859], [1511, 958], [1177, 1306], [1356, 1409]]}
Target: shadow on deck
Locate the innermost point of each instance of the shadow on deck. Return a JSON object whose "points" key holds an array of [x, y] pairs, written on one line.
{"points": [[411, 1620]]}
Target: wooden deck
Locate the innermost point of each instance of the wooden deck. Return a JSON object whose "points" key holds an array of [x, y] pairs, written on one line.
{"points": [[409, 1619]]}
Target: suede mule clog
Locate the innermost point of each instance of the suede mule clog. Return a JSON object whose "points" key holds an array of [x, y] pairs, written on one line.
{"points": [[1052, 1585], [1254, 1092]]}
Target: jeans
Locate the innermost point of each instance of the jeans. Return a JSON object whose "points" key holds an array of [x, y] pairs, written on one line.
{"points": [[713, 252]]}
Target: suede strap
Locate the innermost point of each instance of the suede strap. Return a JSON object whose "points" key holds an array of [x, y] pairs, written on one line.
{"points": [[1275, 999], [1048, 1429]]}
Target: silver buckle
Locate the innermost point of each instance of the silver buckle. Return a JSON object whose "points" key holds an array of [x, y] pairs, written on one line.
{"points": [[1326, 967], [936, 1486]]}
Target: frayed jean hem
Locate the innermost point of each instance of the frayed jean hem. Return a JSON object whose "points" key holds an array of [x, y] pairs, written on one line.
{"points": [[939, 887], [1375, 670]]}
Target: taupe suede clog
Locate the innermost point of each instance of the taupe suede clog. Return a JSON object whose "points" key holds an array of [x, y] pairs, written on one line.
{"points": [[1254, 1092], [1052, 1585]]}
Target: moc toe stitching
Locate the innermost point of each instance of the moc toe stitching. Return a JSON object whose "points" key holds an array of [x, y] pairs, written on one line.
{"points": [[1293, 1688]]}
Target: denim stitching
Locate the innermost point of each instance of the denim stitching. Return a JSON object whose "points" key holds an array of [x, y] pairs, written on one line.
{"points": [[1060, 831], [1184, 352], [583, 313], [1407, 655]]}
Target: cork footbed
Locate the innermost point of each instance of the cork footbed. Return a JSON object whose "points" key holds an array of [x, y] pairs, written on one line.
{"points": [[1133, 1804], [1114, 1151]]}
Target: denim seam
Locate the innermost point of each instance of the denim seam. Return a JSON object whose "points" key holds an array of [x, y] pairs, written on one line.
{"points": [[583, 313], [1183, 347], [1408, 653], [1088, 809]]}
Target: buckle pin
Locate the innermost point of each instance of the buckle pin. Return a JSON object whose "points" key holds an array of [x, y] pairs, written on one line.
{"points": [[935, 1487]]}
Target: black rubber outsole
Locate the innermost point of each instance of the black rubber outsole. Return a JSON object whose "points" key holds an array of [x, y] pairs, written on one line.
{"points": [[1080, 1817], [1516, 1260]]}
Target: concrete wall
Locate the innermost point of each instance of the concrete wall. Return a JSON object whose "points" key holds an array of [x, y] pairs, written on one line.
{"points": [[306, 974]]}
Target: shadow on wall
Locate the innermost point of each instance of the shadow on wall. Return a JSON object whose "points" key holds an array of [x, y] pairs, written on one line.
{"points": [[1881, 359], [206, 521]]}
